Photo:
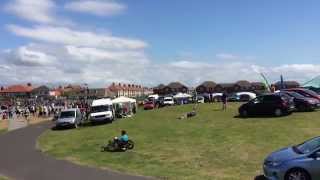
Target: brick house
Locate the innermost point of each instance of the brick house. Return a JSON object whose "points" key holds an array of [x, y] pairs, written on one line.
{"points": [[175, 87], [129, 90], [287, 84], [20, 91], [206, 87]]}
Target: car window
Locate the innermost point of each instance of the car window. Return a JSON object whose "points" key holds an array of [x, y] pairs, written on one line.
{"points": [[309, 146], [268, 99]]}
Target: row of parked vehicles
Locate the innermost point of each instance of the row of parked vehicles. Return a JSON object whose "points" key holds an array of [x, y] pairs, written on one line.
{"points": [[101, 111], [281, 102]]}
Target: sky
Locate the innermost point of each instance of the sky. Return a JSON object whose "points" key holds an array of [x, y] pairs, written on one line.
{"points": [[98, 42]]}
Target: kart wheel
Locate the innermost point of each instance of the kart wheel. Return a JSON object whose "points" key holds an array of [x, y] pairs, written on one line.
{"points": [[130, 144]]}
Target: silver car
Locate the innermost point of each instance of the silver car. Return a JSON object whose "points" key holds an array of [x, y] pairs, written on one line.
{"points": [[300, 162], [69, 117]]}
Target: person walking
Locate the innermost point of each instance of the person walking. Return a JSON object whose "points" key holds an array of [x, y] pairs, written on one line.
{"points": [[224, 101]]}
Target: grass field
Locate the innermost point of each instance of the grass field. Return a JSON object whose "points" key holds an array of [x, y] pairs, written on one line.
{"points": [[212, 145], [3, 178]]}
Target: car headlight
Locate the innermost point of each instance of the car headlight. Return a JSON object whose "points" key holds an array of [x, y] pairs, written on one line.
{"points": [[273, 163], [311, 101]]}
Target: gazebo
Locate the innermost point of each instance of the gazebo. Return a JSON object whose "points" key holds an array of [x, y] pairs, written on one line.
{"points": [[125, 106]]}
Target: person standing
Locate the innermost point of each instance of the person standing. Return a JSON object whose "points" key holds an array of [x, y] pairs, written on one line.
{"points": [[224, 101]]}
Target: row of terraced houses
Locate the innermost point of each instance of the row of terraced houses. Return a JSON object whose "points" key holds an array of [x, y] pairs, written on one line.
{"points": [[133, 90], [212, 87]]}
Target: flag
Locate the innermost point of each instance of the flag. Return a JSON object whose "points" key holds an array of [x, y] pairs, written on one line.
{"points": [[265, 82]]}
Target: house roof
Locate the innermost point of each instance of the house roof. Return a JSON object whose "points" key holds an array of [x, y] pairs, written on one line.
{"points": [[288, 83], [244, 83], [17, 89], [257, 84], [176, 85], [208, 84], [226, 85], [160, 86]]}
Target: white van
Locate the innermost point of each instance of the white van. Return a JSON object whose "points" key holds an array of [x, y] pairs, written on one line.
{"points": [[102, 110]]}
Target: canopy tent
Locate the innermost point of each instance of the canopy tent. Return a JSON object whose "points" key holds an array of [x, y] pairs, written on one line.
{"points": [[315, 83], [123, 99], [124, 106]]}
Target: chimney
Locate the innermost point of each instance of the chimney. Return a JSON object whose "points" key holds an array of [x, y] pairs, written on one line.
{"points": [[120, 84], [29, 84], [2, 88]]}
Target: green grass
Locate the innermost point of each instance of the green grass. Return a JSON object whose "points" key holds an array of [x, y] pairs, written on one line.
{"points": [[212, 145], [3, 178]]}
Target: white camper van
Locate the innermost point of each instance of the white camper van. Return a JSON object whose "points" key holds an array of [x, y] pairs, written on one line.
{"points": [[102, 110]]}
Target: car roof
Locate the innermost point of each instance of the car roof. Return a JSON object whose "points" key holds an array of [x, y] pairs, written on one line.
{"points": [[99, 102]]}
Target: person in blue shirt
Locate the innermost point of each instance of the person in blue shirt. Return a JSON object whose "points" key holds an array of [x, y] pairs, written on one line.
{"points": [[124, 138]]}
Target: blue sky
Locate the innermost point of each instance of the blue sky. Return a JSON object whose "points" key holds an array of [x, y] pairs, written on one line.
{"points": [[227, 40]]}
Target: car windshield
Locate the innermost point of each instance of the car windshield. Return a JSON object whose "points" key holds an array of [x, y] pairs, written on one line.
{"points": [[167, 99], [95, 109], [67, 114], [309, 146], [311, 92]]}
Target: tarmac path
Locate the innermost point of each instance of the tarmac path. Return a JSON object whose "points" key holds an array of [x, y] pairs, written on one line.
{"points": [[20, 160]]}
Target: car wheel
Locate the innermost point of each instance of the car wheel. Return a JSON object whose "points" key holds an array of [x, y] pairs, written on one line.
{"points": [[297, 174], [278, 112], [244, 113]]}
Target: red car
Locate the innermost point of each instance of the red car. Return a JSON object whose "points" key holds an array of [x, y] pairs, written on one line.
{"points": [[305, 92], [148, 105]]}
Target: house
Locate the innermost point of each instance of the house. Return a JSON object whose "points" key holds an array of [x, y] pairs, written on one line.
{"points": [[175, 87], [287, 84], [96, 93], [159, 89], [225, 87], [242, 85], [41, 91], [129, 90], [18, 91], [206, 87]]}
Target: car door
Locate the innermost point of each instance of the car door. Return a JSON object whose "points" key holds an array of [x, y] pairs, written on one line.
{"points": [[254, 107], [267, 105], [312, 165]]}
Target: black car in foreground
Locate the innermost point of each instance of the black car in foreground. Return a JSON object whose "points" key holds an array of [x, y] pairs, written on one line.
{"points": [[301, 102], [271, 104]]}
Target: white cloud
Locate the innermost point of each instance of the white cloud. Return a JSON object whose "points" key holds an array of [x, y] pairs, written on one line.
{"points": [[226, 56], [95, 54], [41, 11], [96, 7], [67, 36]]}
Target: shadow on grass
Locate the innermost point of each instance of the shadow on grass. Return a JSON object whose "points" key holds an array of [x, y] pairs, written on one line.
{"points": [[260, 177], [258, 117]]}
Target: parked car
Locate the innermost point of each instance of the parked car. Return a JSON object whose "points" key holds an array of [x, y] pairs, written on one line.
{"points": [[69, 118], [301, 102], [305, 92], [200, 99], [294, 162], [148, 105], [168, 101], [216, 97], [102, 111], [271, 104]]}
